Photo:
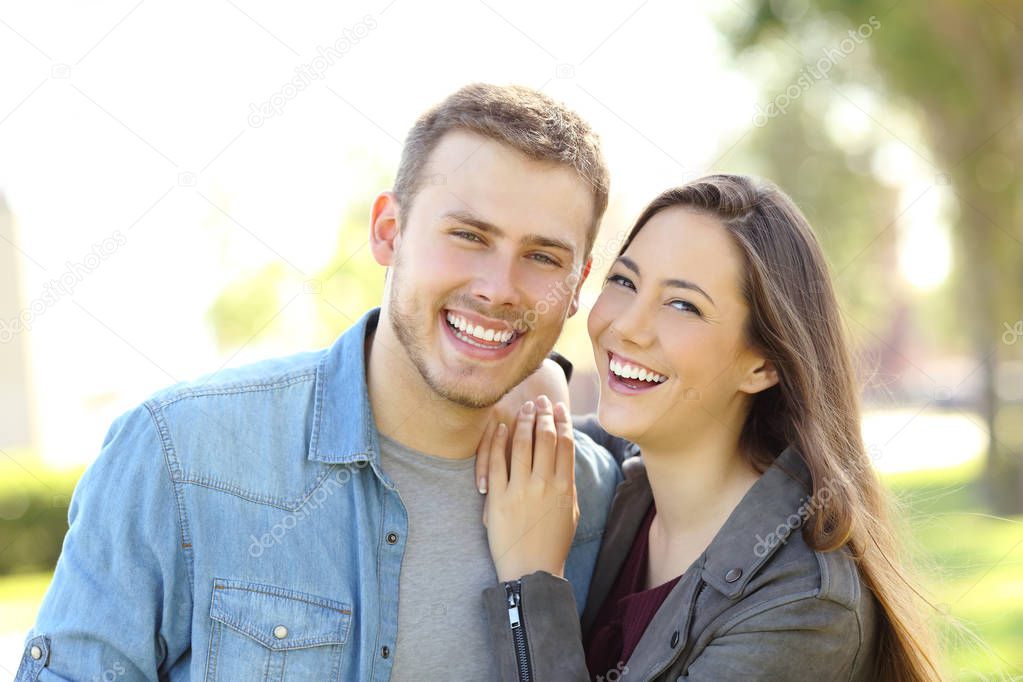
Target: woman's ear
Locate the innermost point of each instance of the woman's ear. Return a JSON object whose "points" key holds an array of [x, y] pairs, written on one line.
{"points": [[383, 228], [762, 376]]}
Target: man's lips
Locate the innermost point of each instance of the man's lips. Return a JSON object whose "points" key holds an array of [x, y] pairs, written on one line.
{"points": [[468, 334], [483, 329]]}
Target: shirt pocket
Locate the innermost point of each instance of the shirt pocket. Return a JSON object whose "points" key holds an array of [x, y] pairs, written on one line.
{"points": [[263, 632]]}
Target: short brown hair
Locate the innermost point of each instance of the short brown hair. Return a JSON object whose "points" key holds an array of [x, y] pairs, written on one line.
{"points": [[517, 116]]}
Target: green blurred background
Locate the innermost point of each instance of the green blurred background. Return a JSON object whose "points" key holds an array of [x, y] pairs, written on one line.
{"points": [[898, 128]]}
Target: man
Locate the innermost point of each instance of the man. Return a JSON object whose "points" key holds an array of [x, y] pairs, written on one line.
{"points": [[315, 517]]}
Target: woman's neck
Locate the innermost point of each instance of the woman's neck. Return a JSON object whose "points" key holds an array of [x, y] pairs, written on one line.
{"points": [[695, 488]]}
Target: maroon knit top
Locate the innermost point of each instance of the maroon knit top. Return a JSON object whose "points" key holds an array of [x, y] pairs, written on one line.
{"points": [[628, 609]]}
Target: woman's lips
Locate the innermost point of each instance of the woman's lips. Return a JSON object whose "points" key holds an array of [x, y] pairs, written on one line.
{"points": [[638, 378]]}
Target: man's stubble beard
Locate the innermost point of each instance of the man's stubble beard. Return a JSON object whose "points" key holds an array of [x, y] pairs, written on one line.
{"points": [[404, 324]]}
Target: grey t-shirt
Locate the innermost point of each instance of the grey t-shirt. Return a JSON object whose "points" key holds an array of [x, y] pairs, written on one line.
{"points": [[442, 625]]}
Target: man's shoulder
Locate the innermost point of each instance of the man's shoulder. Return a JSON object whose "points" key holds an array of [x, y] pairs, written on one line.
{"points": [[597, 475], [263, 376], [226, 430]]}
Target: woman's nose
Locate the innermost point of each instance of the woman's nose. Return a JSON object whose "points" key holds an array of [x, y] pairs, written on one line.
{"points": [[633, 324]]}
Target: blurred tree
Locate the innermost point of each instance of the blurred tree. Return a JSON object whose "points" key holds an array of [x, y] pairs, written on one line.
{"points": [[273, 301], [957, 66]]}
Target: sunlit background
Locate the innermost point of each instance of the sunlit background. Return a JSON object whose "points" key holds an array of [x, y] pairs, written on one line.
{"points": [[173, 204]]}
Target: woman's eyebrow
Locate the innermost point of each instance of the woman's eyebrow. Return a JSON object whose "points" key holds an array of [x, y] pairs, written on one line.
{"points": [[677, 283]]}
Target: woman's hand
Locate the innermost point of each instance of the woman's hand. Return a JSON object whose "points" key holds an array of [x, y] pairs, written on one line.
{"points": [[531, 510], [548, 380]]}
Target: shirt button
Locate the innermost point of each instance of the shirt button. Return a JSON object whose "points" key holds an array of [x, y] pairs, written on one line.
{"points": [[385, 652], [674, 639], [733, 575], [280, 632], [392, 538], [35, 652]]}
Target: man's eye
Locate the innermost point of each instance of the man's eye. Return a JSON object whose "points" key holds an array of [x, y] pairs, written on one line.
{"points": [[622, 281], [545, 259], [468, 236]]}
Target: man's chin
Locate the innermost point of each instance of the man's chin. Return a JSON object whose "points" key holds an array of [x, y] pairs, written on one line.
{"points": [[471, 400], [470, 392]]}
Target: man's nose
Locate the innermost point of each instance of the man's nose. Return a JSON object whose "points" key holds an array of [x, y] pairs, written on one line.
{"points": [[497, 285]]}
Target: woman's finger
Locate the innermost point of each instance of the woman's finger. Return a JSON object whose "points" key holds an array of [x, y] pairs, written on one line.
{"points": [[497, 476], [522, 445], [565, 459], [483, 456], [545, 441]]}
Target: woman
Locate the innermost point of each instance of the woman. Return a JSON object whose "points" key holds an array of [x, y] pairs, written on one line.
{"points": [[751, 539]]}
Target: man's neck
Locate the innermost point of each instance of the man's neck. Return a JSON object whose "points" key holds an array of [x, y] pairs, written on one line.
{"points": [[407, 410]]}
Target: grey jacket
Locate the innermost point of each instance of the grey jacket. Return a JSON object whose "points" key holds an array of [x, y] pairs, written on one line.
{"points": [[758, 604]]}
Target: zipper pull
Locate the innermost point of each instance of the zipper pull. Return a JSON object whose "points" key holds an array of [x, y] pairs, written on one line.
{"points": [[513, 606]]}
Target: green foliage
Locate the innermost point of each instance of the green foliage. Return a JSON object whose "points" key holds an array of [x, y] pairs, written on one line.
{"points": [[33, 514], [273, 300], [970, 562]]}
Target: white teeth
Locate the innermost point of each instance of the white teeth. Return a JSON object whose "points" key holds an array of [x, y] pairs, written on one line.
{"points": [[629, 371], [477, 331]]}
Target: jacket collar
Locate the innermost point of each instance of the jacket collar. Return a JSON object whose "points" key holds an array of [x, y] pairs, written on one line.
{"points": [[772, 508], [343, 430]]}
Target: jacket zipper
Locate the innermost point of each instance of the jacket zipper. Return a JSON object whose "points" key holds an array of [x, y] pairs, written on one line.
{"points": [[525, 666]]}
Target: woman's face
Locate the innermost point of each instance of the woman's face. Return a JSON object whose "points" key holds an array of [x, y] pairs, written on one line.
{"points": [[672, 312]]}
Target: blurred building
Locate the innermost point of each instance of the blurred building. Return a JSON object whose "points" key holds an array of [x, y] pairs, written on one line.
{"points": [[16, 418]]}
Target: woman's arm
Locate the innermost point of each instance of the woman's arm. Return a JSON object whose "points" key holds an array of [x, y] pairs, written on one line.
{"points": [[531, 514], [537, 627], [806, 639]]}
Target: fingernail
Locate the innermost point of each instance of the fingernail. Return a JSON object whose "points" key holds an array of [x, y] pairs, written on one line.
{"points": [[543, 403], [560, 411], [501, 428], [483, 485], [528, 407]]}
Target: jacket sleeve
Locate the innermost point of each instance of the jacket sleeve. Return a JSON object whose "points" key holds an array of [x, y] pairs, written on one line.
{"points": [[620, 448], [807, 639], [548, 616], [120, 604]]}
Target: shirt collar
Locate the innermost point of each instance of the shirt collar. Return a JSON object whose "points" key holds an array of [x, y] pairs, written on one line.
{"points": [[343, 429]]}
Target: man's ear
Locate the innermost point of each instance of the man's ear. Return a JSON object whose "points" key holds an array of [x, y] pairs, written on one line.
{"points": [[383, 228], [762, 376], [573, 307]]}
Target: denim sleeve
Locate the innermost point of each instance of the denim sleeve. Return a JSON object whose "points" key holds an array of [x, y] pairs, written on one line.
{"points": [[120, 602], [620, 448], [807, 639], [596, 478]]}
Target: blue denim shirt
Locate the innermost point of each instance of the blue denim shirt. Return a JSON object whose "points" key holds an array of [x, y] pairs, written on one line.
{"points": [[241, 527]]}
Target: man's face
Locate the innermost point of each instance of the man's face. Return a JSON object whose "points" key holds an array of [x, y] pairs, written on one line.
{"points": [[486, 267]]}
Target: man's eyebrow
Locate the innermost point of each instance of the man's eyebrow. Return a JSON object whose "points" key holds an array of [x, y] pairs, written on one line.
{"points": [[468, 218], [677, 283]]}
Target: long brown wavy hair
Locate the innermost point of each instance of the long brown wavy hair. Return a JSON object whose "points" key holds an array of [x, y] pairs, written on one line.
{"points": [[794, 319]]}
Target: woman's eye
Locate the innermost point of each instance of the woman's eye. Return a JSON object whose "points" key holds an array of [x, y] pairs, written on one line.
{"points": [[684, 306], [621, 280]]}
